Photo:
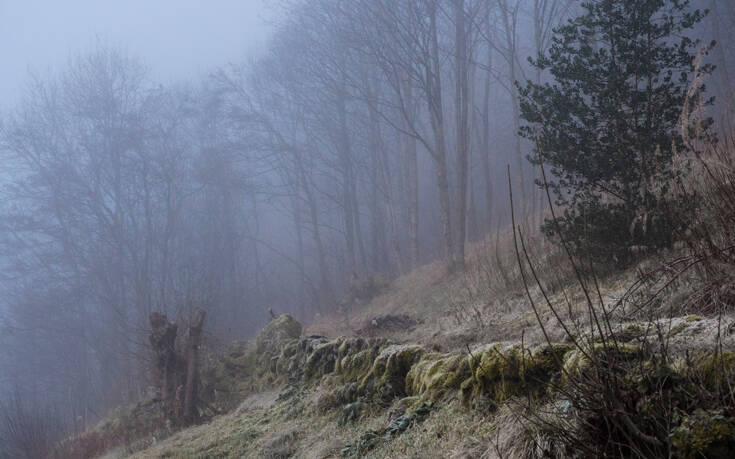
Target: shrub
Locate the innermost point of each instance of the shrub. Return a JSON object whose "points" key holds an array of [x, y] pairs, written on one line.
{"points": [[608, 125]]}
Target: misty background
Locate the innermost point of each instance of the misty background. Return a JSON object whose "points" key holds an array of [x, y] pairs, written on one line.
{"points": [[178, 40], [241, 156]]}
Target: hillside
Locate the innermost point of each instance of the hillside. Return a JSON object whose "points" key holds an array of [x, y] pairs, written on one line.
{"points": [[415, 228], [454, 365]]}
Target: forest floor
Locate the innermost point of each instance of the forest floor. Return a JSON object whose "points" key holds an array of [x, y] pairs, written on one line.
{"points": [[462, 364]]}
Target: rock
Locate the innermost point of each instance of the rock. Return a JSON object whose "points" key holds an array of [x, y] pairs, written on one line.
{"points": [[277, 332], [322, 359], [387, 376], [501, 372], [436, 374], [355, 367]]}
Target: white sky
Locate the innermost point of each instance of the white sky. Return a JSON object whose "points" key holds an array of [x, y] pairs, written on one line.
{"points": [[178, 39]]}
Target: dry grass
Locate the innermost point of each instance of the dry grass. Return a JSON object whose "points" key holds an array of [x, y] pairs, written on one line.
{"points": [[483, 303]]}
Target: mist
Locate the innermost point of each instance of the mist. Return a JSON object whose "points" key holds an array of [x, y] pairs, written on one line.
{"points": [[176, 40], [247, 159]]}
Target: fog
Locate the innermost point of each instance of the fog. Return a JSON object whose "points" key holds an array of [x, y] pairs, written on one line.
{"points": [[237, 157], [176, 39]]}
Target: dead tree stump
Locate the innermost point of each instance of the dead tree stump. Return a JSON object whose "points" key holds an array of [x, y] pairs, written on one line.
{"points": [[166, 364], [176, 370], [191, 391]]}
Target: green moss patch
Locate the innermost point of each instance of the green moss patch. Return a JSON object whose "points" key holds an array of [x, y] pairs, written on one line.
{"points": [[387, 376], [502, 372], [437, 374], [705, 434], [576, 361], [279, 330]]}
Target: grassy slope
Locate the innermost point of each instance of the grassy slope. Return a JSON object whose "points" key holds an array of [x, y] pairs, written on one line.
{"points": [[483, 304]]}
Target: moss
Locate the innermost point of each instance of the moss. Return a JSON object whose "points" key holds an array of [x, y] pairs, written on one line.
{"points": [[352, 345], [715, 371], [466, 390], [387, 376], [685, 324], [436, 374], [501, 373], [275, 357], [268, 345], [321, 360], [355, 367], [704, 434], [278, 331], [575, 361], [289, 361]]}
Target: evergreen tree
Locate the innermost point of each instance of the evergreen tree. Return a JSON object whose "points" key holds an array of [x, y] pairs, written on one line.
{"points": [[607, 126]]}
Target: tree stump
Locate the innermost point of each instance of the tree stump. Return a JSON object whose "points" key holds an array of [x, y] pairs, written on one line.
{"points": [[176, 371]]}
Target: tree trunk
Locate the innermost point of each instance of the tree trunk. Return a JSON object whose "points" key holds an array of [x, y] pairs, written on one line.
{"points": [[436, 110], [347, 201], [473, 229], [300, 251], [509, 24], [325, 287], [191, 391], [412, 178], [387, 184], [486, 142], [462, 125], [380, 179]]}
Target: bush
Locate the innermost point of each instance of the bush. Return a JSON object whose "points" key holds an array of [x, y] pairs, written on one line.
{"points": [[608, 126]]}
